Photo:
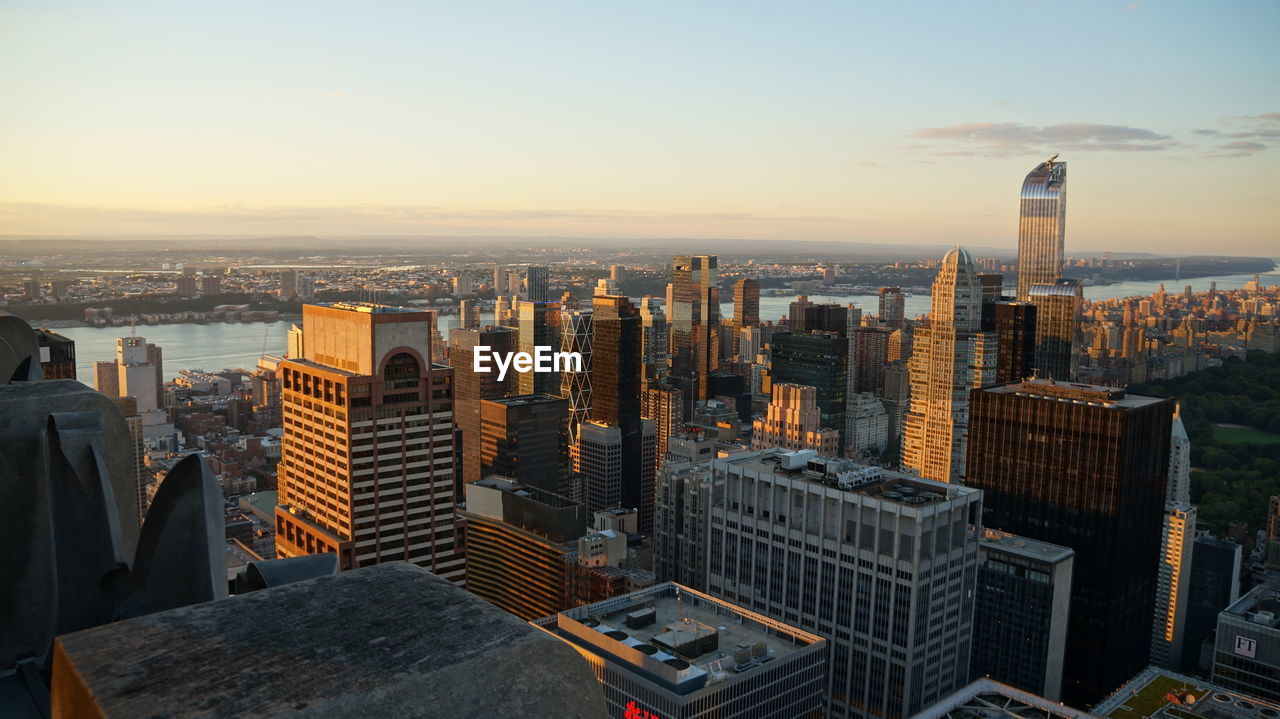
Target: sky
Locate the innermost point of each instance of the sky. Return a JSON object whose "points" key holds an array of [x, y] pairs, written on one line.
{"points": [[903, 122]]}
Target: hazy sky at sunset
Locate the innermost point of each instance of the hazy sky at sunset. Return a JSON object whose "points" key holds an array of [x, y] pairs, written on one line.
{"points": [[890, 121]]}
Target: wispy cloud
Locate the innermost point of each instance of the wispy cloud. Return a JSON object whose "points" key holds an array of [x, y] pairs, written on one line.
{"points": [[1012, 138], [1245, 141]]}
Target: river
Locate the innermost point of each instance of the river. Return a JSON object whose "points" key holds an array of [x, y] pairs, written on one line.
{"points": [[221, 345]]}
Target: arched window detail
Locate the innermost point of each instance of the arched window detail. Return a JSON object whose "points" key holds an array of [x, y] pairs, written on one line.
{"points": [[402, 372]]}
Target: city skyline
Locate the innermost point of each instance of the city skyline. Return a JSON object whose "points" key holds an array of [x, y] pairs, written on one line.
{"points": [[556, 121]]}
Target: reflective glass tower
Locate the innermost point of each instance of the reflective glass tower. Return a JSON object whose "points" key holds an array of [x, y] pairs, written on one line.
{"points": [[694, 314], [1042, 226]]}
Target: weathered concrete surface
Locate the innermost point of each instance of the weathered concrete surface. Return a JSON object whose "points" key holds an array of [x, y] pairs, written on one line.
{"points": [[392, 640], [17, 342], [27, 562]]}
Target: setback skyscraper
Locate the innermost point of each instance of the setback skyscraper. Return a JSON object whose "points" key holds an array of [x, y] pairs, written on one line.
{"points": [[951, 356], [1042, 221]]}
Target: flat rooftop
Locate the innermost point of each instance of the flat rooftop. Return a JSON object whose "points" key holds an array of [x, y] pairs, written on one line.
{"points": [[1151, 695], [1260, 606], [367, 307], [1077, 392], [1023, 546], [646, 630], [987, 699], [846, 475]]}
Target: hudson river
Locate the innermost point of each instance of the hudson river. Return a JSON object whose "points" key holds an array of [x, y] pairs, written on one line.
{"points": [[216, 346]]}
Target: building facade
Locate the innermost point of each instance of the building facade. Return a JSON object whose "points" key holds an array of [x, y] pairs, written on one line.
{"points": [[880, 564], [1042, 219], [1022, 606], [367, 455], [951, 356], [1083, 467]]}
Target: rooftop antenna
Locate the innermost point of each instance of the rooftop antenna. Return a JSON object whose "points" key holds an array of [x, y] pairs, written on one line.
{"points": [[133, 325], [1049, 164]]}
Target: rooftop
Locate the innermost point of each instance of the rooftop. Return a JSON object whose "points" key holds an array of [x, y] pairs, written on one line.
{"points": [[367, 307], [1160, 694], [678, 638], [846, 475], [1076, 392], [1260, 606], [987, 699], [1032, 548]]}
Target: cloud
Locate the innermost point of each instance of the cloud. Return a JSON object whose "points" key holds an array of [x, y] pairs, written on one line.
{"points": [[868, 163], [1134, 6], [1264, 127], [1243, 145], [1012, 138], [335, 93]]}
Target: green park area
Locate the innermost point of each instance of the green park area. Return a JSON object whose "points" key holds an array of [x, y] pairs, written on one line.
{"points": [[1239, 434], [1232, 417]]}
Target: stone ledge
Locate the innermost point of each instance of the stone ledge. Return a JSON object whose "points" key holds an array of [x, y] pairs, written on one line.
{"points": [[391, 640]]}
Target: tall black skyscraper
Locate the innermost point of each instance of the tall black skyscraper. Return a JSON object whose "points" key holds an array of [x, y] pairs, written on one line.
{"points": [[1084, 467], [694, 316], [1015, 326], [615, 395]]}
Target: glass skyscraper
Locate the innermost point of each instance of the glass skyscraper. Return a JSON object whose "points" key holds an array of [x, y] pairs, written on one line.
{"points": [[1042, 226]]}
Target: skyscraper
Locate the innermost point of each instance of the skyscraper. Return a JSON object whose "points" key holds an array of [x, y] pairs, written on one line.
{"points": [[880, 564], [793, 421], [1175, 554], [655, 343], [1021, 612], [106, 378], [537, 284], [950, 356], [615, 398], [694, 316], [526, 438], [892, 307], [682, 518], [575, 385], [664, 406], [1014, 325], [1057, 324], [819, 360], [869, 357], [516, 537], [1084, 467], [539, 327], [746, 302], [366, 467], [1213, 586], [469, 387], [866, 428], [1042, 221]]}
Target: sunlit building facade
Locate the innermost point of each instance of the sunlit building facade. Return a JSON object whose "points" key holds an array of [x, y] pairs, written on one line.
{"points": [[366, 468], [1042, 221], [951, 356]]}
